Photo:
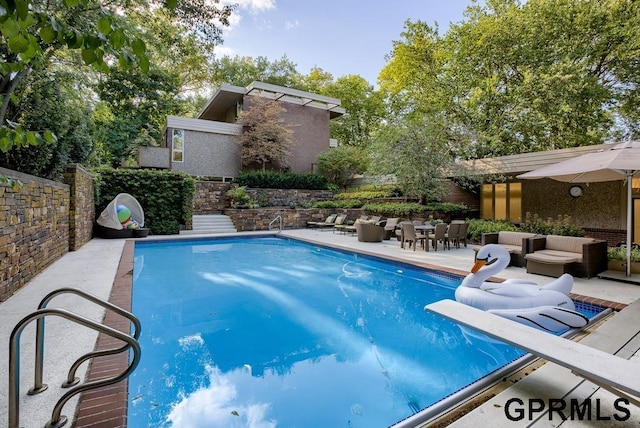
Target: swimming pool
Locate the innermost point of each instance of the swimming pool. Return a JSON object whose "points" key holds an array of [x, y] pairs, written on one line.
{"points": [[267, 332]]}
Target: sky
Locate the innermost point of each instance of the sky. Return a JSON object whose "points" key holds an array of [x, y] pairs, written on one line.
{"points": [[341, 37]]}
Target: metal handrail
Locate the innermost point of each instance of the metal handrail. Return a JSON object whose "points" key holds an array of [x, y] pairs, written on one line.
{"points": [[14, 358], [38, 386], [279, 217]]}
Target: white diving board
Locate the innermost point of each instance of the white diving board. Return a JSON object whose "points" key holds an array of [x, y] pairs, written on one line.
{"points": [[615, 374]]}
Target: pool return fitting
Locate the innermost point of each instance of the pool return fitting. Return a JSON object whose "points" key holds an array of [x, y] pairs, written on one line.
{"points": [[130, 342]]}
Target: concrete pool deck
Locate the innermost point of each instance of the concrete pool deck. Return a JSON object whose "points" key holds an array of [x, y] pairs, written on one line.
{"points": [[93, 269]]}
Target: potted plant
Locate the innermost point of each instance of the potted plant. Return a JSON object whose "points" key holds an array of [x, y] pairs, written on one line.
{"points": [[239, 197], [617, 257]]}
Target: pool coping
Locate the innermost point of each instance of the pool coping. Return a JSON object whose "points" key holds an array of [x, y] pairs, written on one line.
{"points": [[106, 407]]}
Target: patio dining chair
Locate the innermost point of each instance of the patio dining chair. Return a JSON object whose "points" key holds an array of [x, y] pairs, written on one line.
{"points": [[439, 235], [452, 235], [409, 235], [462, 234]]}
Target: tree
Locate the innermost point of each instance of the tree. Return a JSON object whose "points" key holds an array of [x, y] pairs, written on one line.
{"points": [[52, 99], [365, 110], [241, 71], [517, 76], [418, 155], [265, 138], [33, 33], [340, 164]]}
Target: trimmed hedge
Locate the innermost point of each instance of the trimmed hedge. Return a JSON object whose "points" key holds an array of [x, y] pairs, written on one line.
{"points": [[409, 209], [281, 180], [165, 196]]}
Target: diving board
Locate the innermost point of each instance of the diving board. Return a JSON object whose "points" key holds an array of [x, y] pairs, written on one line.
{"points": [[615, 374]]}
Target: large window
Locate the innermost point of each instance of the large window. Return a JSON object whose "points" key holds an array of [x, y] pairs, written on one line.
{"points": [[502, 201], [177, 145]]}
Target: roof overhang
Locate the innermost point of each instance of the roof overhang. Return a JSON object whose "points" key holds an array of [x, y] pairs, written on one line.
{"points": [[228, 96], [525, 162]]}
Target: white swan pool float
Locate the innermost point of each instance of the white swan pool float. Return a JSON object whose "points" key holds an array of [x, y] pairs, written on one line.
{"points": [[545, 307]]}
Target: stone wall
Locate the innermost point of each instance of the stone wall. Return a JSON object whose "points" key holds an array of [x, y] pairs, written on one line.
{"points": [[40, 221], [34, 219], [82, 210], [210, 197], [246, 220]]}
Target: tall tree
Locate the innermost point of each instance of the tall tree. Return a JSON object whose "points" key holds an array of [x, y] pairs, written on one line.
{"points": [[33, 33], [522, 76], [365, 110], [340, 164], [265, 139], [417, 154], [241, 71]]}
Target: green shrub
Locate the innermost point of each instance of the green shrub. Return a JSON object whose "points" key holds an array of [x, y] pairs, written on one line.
{"points": [[238, 196], [165, 196], [363, 194], [344, 204], [620, 253], [410, 209], [479, 226], [560, 226], [280, 180]]}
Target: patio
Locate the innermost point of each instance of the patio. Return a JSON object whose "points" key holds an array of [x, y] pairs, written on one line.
{"points": [[93, 268]]}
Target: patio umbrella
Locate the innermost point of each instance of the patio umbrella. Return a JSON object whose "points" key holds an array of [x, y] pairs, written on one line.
{"points": [[620, 162]]}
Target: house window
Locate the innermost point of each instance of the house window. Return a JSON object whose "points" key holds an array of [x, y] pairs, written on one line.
{"points": [[177, 145], [502, 201]]}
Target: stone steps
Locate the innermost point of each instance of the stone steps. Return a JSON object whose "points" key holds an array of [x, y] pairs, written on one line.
{"points": [[210, 224]]}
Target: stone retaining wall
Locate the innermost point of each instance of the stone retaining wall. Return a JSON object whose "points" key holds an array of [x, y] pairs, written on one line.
{"points": [[82, 209], [259, 218], [40, 221]]}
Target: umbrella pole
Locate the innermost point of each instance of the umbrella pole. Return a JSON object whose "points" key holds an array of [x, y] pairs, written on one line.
{"points": [[629, 221]]}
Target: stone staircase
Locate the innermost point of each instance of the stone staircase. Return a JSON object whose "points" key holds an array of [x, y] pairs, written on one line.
{"points": [[210, 224]]}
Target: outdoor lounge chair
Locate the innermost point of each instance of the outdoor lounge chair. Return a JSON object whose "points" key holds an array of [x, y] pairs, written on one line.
{"points": [[615, 374], [340, 221], [329, 220]]}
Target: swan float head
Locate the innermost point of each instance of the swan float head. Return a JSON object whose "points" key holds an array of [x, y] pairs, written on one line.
{"points": [[490, 260]]}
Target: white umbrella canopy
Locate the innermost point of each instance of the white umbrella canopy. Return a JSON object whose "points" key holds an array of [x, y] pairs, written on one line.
{"points": [[620, 162]]}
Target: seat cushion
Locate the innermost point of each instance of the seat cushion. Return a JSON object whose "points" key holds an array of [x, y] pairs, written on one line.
{"points": [[512, 249], [557, 258], [570, 244], [513, 238]]}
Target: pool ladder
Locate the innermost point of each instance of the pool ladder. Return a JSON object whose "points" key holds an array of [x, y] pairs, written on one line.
{"points": [[130, 342], [277, 219]]}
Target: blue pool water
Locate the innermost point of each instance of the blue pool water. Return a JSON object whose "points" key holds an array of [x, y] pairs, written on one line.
{"points": [[271, 332]]}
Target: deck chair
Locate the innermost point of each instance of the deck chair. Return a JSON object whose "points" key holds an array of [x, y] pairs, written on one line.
{"points": [[439, 235], [451, 235], [611, 372], [409, 235], [462, 234], [328, 221], [390, 227], [339, 221]]}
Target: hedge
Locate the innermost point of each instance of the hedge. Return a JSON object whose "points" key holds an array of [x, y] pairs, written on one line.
{"points": [[165, 196]]}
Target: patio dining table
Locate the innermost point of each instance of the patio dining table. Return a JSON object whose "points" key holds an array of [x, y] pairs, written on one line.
{"points": [[423, 228]]}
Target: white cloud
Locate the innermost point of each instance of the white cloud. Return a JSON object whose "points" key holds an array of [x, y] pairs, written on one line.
{"points": [[290, 25], [218, 406], [255, 6]]}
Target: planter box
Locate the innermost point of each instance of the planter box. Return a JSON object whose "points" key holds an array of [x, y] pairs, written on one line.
{"points": [[620, 266]]}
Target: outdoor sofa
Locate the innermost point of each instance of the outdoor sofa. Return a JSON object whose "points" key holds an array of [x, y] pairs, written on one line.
{"points": [[516, 243], [554, 255]]}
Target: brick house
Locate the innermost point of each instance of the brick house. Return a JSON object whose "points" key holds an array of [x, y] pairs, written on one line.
{"points": [[206, 146]]}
